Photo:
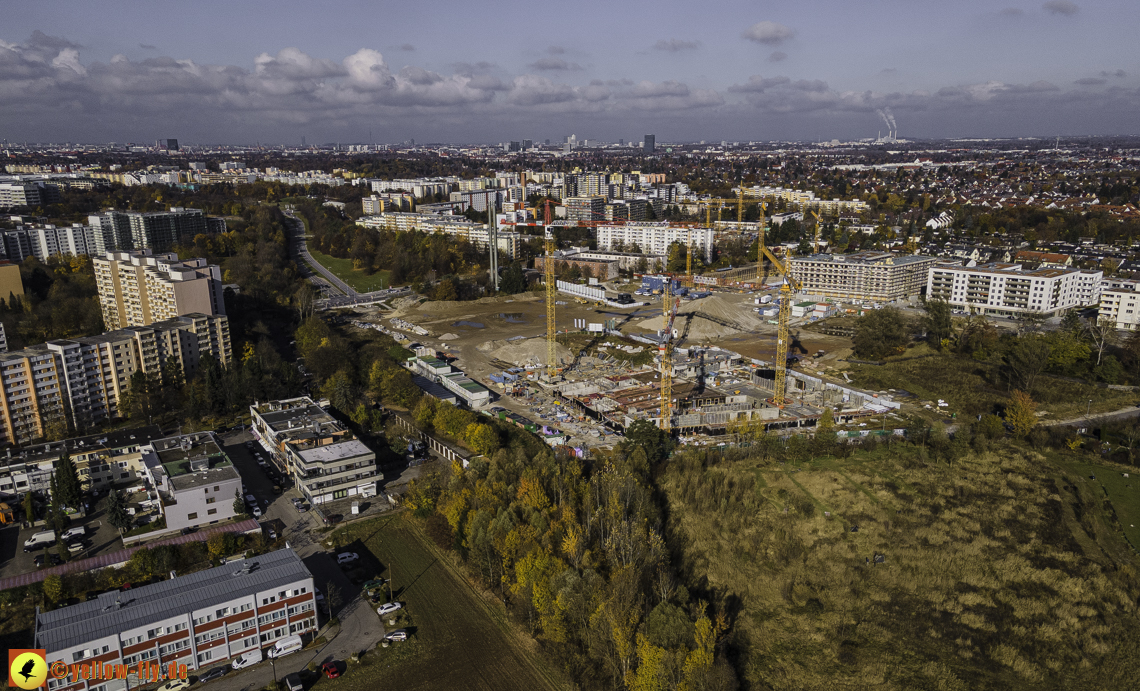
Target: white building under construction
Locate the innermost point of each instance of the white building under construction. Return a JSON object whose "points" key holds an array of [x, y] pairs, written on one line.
{"points": [[877, 276]]}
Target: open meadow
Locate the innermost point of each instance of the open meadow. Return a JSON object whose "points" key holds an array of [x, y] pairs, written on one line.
{"points": [[1004, 570], [459, 640]]}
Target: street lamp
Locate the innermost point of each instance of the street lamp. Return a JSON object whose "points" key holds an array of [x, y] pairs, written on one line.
{"points": [[273, 664], [1088, 409]]}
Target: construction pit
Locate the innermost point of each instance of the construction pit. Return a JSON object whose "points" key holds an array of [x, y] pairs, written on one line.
{"points": [[722, 377]]}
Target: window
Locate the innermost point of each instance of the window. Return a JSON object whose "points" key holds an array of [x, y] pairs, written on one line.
{"points": [[211, 512], [215, 488], [211, 500], [192, 516], [268, 600]]}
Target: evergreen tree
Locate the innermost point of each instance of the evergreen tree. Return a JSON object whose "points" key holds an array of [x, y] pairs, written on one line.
{"points": [[67, 482], [117, 512], [29, 507]]}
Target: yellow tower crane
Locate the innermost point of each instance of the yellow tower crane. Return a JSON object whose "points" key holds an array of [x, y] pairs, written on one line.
{"points": [[668, 316], [551, 295], [789, 287]]}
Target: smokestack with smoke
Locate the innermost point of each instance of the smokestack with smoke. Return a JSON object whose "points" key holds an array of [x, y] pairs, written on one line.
{"points": [[891, 120], [886, 120]]}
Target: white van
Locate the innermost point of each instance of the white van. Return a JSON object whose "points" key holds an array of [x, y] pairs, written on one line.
{"points": [[247, 659], [285, 646], [73, 532], [45, 537]]}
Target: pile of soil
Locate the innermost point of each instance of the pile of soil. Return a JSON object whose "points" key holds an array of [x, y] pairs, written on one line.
{"points": [[530, 351], [720, 308]]}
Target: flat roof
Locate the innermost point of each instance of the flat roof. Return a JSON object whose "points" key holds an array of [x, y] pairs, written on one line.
{"points": [[187, 479], [334, 452], [92, 443], [867, 257], [87, 621]]}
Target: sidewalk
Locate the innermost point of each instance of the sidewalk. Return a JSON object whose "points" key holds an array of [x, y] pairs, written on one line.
{"points": [[1123, 413]]}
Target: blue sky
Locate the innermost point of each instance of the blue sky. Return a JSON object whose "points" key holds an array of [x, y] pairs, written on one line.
{"points": [[236, 72]]}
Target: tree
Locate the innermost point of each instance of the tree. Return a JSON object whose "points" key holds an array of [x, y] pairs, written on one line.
{"points": [[650, 438], [117, 512], [826, 424], [216, 545], [1021, 414], [340, 391], [1026, 359], [881, 333], [513, 280], [239, 504], [483, 439], [990, 426], [53, 588], [936, 322], [332, 594], [29, 507], [70, 491], [1102, 335]]}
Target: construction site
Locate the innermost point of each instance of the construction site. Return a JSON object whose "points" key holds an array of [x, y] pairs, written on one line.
{"points": [[579, 368]]}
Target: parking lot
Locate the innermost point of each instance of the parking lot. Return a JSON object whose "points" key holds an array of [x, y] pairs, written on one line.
{"points": [[99, 535]]}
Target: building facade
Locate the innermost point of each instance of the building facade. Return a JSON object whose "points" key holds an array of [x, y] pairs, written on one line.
{"points": [[79, 383], [195, 480], [878, 276], [1120, 305], [585, 208], [49, 240], [655, 237], [139, 288], [322, 455], [1009, 290], [197, 620], [510, 243], [157, 231]]}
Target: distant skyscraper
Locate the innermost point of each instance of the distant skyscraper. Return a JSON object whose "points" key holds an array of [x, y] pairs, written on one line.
{"points": [[650, 143], [527, 144], [168, 144]]}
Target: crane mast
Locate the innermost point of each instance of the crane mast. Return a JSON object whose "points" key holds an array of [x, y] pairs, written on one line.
{"points": [[666, 353], [551, 294]]}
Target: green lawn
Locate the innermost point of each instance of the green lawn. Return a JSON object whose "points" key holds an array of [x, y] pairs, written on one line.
{"points": [[1123, 493], [460, 640], [357, 278]]}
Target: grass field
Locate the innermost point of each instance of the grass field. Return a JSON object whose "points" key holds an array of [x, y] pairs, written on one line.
{"points": [[1005, 570], [975, 388], [1123, 493], [459, 639], [356, 278]]}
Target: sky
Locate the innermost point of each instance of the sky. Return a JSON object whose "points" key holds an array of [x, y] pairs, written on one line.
{"points": [[349, 71]]}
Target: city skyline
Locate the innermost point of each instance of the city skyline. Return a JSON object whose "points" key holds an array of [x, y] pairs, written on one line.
{"points": [[210, 74]]}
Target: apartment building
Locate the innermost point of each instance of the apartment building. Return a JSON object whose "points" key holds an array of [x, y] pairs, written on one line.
{"points": [[322, 455], [480, 200], [100, 460], [1120, 304], [655, 237], [157, 231], [197, 620], [1007, 290], [81, 382], [138, 288], [590, 267], [869, 275], [510, 243], [22, 193], [390, 201], [417, 187], [46, 241], [194, 478], [585, 208]]}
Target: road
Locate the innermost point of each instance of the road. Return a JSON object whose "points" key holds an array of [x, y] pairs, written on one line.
{"points": [[326, 280]]}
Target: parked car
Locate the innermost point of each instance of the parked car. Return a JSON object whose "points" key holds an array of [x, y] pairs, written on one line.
{"points": [[247, 659], [214, 673], [174, 685], [388, 608], [256, 511], [347, 557], [76, 547], [331, 670], [55, 559], [250, 499], [39, 561], [397, 635], [293, 683]]}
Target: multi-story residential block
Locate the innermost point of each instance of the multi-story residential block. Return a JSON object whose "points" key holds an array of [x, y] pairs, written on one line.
{"points": [[1008, 290], [869, 275], [49, 240], [418, 187], [100, 460], [157, 231], [197, 620], [322, 455], [138, 288], [655, 237], [584, 208], [510, 243], [389, 201], [81, 382], [1120, 304], [23, 193], [195, 479]]}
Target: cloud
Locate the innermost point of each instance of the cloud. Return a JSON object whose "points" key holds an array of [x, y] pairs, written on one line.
{"points": [[1012, 12], [407, 47], [1062, 7], [778, 56], [888, 72], [768, 33], [147, 46], [676, 45], [556, 50], [470, 68], [554, 65], [1090, 81], [1114, 73], [757, 84]]}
